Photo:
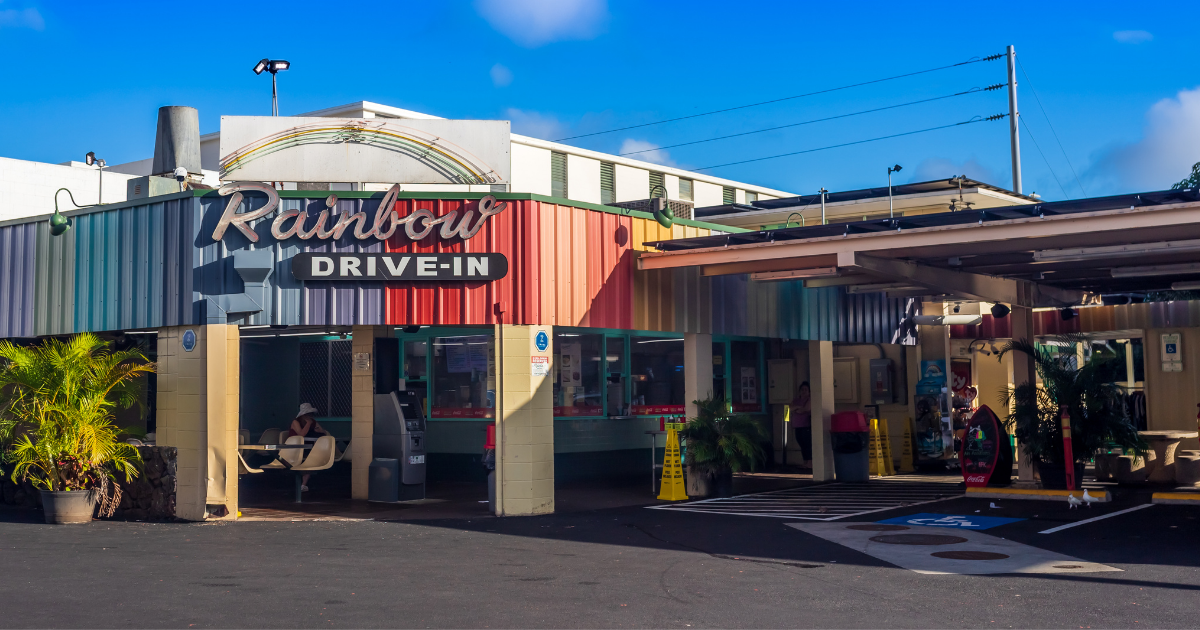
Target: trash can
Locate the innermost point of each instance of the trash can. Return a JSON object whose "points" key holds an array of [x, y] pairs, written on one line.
{"points": [[849, 436], [383, 480]]}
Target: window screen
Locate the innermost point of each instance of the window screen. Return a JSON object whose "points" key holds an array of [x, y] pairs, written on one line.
{"points": [[325, 379], [751, 197], [657, 186], [608, 182], [685, 189], [727, 196], [558, 175]]}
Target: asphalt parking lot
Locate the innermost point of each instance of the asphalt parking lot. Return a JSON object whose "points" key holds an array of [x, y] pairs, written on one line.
{"points": [[621, 567]]}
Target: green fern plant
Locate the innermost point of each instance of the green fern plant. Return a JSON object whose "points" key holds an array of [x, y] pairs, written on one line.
{"points": [[1090, 393], [56, 404], [719, 441]]}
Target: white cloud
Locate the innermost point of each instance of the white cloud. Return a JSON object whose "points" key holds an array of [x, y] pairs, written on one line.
{"points": [[941, 168], [651, 151], [501, 76], [1169, 146], [533, 23], [535, 124], [22, 18], [1133, 37]]}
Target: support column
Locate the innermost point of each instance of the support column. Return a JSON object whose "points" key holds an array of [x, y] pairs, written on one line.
{"points": [[198, 414], [820, 380], [362, 408], [697, 370], [524, 420], [1023, 372]]}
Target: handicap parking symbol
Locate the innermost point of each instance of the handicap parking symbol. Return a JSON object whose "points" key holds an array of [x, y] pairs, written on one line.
{"points": [[951, 520]]}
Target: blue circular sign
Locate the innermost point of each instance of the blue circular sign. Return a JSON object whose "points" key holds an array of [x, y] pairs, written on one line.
{"points": [[542, 341], [189, 340]]}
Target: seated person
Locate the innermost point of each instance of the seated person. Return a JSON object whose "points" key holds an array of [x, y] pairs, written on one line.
{"points": [[306, 426]]}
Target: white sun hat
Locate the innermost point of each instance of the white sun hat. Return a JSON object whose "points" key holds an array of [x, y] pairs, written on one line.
{"points": [[306, 409]]}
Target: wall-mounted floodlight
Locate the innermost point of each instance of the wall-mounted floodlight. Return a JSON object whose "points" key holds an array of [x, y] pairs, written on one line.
{"points": [[273, 66], [891, 169]]}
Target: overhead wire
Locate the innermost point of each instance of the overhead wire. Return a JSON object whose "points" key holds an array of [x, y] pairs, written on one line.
{"points": [[975, 90], [846, 144], [1040, 152], [786, 98], [1051, 125]]}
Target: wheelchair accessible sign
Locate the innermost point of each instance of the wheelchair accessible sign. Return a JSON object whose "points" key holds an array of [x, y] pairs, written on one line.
{"points": [[926, 519]]}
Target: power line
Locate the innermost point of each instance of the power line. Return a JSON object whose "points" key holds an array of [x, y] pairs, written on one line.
{"points": [[809, 122], [1039, 148], [846, 144], [1047, 116], [786, 98]]}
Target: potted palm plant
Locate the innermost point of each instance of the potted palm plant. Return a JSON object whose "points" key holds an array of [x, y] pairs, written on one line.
{"points": [[1091, 395], [56, 404], [720, 443]]}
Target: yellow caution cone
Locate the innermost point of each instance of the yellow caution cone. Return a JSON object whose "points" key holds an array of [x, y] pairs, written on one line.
{"points": [[885, 441], [906, 448], [672, 475], [873, 460]]}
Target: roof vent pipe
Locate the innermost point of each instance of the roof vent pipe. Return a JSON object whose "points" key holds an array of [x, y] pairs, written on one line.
{"points": [[177, 143]]}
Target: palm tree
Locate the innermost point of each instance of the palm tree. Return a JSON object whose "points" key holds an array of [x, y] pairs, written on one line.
{"points": [[1090, 394], [720, 442], [56, 404]]}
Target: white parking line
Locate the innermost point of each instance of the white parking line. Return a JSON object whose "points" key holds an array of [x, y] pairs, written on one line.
{"points": [[1092, 520]]}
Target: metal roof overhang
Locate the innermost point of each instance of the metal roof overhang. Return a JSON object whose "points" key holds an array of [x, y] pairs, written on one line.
{"points": [[1048, 254]]}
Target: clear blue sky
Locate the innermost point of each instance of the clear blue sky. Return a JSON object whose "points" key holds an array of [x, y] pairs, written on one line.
{"points": [[1118, 79]]}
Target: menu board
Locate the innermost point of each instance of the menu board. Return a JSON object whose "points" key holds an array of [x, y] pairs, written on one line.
{"points": [[986, 452]]}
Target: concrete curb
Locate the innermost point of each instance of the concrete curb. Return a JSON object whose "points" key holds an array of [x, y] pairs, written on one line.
{"points": [[1034, 494], [1176, 498]]}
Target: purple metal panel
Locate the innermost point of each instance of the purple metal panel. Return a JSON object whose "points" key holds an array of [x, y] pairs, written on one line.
{"points": [[17, 248]]}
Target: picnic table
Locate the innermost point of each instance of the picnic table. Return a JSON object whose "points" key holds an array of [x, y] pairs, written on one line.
{"points": [[1161, 466]]}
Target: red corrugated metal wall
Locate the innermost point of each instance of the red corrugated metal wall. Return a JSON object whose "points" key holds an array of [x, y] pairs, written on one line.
{"points": [[566, 266]]}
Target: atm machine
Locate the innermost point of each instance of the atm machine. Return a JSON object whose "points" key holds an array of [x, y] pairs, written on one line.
{"points": [[397, 470]]}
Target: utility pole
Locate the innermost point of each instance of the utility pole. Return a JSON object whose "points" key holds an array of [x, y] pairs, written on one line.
{"points": [[1013, 122], [823, 191]]}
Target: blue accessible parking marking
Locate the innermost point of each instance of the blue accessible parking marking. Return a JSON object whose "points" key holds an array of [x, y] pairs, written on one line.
{"points": [[950, 520]]}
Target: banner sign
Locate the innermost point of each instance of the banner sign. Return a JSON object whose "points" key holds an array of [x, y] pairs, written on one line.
{"points": [[397, 267]]}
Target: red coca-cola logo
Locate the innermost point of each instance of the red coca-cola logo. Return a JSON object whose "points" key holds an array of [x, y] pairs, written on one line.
{"points": [[976, 479]]}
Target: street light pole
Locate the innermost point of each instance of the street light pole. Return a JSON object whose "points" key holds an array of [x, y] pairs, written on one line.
{"points": [[1013, 122], [823, 191], [274, 66], [891, 169]]}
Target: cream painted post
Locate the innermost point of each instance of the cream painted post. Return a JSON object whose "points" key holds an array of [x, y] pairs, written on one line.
{"points": [[362, 408], [1023, 372], [524, 421], [198, 414], [697, 370], [820, 376]]}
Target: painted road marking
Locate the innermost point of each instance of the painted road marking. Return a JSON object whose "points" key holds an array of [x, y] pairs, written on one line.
{"points": [[951, 520], [930, 550], [1098, 518], [833, 501]]}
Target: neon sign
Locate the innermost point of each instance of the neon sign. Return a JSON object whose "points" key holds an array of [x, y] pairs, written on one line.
{"points": [[332, 224]]}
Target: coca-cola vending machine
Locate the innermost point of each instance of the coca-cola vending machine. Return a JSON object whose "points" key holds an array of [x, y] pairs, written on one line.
{"points": [[986, 454]]}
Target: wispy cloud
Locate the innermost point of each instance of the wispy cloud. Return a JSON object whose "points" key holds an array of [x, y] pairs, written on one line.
{"points": [[1169, 146], [22, 18], [533, 23], [501, 76], [1133, 37], [649, 152], [535, 124]]}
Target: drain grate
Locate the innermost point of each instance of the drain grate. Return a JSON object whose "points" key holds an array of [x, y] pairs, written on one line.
{"points": [[969, 555], [918, 539], [876, 527]]}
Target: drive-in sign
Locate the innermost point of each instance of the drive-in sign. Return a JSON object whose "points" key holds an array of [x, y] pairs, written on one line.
{"points": [[400, 267]]}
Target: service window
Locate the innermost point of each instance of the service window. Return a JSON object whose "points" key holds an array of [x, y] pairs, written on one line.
{"points": [[656, 375], [614, 376], [464, 371], [578, 374]]}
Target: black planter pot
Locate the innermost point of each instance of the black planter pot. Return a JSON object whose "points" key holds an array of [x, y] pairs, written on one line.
{"points": [[1054, 476], [722, 485]]}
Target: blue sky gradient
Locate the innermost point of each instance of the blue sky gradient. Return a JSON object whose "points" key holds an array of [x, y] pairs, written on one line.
{"points": [[1118, 80]]}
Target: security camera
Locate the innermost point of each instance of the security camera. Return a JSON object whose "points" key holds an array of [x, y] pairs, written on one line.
{"points": [[180, 176]]}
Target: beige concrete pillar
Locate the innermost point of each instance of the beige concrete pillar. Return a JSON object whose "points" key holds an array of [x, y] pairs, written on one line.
{"points": [[1022, 372], [362, 406], [524, 420], [820, 380], [697, 370], [198, 414]]}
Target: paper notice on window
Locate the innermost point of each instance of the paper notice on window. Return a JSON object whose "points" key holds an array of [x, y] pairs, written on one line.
{"points": [[539, 366]]}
